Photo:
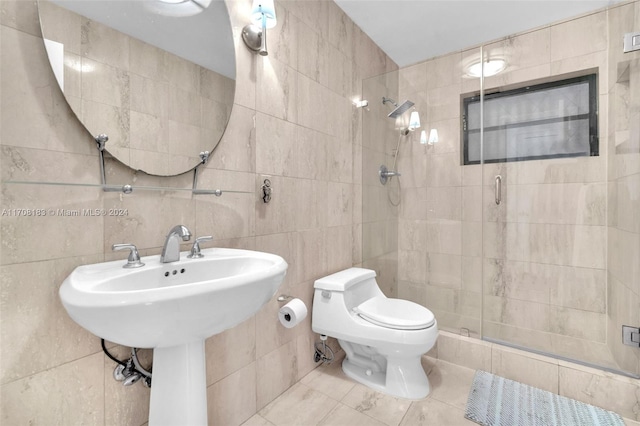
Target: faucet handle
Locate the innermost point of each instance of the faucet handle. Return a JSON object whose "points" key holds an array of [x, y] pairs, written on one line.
{"points": [[195, 249], [134, 257]]}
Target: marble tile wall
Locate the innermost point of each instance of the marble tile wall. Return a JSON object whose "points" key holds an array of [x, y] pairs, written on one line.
{"points": [[623, 180], [554, 259], [380, 137], [292, 121]]}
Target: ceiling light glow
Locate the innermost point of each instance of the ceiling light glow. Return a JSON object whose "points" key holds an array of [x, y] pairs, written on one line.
{"points": [[491, 67]]}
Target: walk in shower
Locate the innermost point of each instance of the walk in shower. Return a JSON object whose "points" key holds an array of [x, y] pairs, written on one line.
{"points": [[521, 225]]}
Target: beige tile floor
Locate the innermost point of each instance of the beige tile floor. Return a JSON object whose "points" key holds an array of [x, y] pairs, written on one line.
{"points": [[326, 397]]}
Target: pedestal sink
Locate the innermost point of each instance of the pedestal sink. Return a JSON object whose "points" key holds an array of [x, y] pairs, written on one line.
{"points": [[173, 308]]}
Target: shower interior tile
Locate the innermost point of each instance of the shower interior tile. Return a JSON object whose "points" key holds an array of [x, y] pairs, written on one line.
{"points": [[525, 281], [412, 235], [578, 323], [579, 36], [444, 203], [444, 237], [537, 340], [471, 200], [593, 60], [444, 270], [413, 78], [585, 350], [448, 135], [443, 71], [562, 170], [472, 239], [519, 313], [472, 274]]}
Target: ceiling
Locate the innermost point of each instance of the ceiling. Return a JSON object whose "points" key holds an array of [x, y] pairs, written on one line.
{"points": [[196, 30], [410, 31]]}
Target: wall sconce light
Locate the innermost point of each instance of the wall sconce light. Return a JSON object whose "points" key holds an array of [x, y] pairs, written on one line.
{"points": [[423, 137], [433, 136], [263, 16], [414, 121]]}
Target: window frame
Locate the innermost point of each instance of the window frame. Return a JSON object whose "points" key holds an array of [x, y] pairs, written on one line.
{"points": [[592, 81]]}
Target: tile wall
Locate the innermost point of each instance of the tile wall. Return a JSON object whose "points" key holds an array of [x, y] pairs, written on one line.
{"points": [[381, 203], [292, 121], [623, 275], [539, 259]]}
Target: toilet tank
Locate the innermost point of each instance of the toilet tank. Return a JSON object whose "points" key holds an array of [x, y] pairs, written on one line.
{"points": [[356, 284]]}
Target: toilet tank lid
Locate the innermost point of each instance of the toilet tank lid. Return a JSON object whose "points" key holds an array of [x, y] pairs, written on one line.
{"points": [[340, 281]]}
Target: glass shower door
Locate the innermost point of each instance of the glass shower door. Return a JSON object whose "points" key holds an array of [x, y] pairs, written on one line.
{"points": [[561, 197], [623, 174], [379, 215]]}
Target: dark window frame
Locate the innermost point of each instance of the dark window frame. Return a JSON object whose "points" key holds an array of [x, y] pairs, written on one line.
{"points": [[591, 79]]}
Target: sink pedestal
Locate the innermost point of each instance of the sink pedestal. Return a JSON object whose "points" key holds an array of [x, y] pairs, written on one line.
{"points": [[179, 386], [157, 307]]}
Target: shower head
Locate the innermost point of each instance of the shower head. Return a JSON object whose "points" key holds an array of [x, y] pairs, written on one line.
{"points": [[400, 109]]}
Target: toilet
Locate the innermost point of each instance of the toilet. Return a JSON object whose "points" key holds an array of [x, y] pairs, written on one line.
{"points": [[383, 338]]}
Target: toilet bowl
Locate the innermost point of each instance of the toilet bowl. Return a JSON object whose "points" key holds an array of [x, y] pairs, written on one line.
{"points": [[383, 338]]}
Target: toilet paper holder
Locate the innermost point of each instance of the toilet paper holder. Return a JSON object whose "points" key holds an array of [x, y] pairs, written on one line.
{"points": [[284, 298]]}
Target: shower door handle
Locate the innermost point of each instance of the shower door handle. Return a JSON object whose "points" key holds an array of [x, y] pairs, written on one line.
{"points": [[498, 189]]}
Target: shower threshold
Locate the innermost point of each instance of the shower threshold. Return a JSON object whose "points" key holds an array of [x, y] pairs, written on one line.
{"points": [[560, 357]]}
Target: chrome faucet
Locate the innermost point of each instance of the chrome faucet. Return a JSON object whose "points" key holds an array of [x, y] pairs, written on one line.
{"points": [[171, 249]]}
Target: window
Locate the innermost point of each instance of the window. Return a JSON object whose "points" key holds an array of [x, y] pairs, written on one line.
{"points": [[550, 120]]}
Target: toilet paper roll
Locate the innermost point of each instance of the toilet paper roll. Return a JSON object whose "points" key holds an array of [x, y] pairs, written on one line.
{"points": [[292, 313]]}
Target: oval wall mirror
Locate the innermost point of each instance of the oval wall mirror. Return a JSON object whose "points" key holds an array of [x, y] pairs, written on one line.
{"points": [[156, 76]]}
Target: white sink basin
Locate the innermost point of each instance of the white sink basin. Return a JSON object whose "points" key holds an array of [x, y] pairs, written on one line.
{"points": [[168, 304], [173, 308]]}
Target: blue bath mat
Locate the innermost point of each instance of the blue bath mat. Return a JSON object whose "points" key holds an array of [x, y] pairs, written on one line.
{"points": [[496, 401]]}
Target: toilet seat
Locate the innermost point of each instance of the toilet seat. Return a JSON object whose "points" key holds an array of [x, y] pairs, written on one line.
{"points": [[398, 314]]}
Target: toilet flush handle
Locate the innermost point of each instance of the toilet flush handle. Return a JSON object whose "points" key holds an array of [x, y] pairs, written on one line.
{"points": [[326, 294]]}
